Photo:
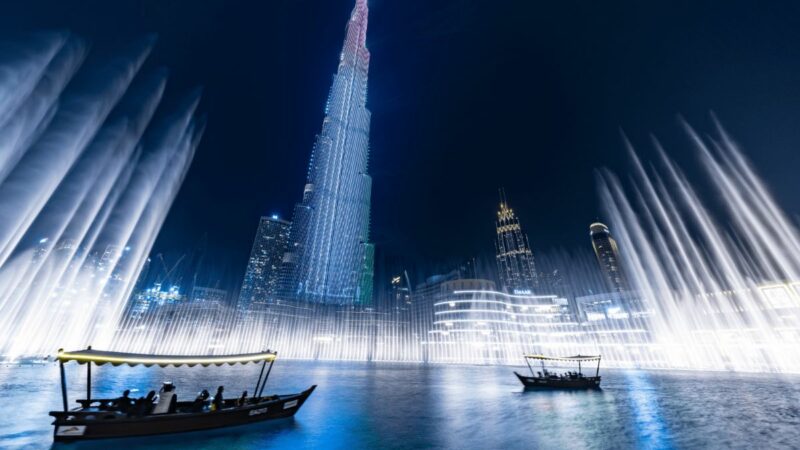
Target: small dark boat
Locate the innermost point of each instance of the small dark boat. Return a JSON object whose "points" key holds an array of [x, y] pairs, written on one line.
{"points": [[546, 379], [102, 418]]}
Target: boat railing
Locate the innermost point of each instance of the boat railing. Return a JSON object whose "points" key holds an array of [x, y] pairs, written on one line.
{"points": [[99, 403], [78, 415], [108, 405]]}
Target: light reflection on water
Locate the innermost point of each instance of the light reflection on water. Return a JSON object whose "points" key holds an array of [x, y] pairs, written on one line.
{"points": [[367, 405], [650, 428]]}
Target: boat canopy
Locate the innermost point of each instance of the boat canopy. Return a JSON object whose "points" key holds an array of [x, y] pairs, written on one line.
{"points": [[564, 358], [134, 359]]}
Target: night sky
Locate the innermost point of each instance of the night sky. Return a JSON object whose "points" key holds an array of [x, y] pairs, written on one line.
{"points": [[466, 96]]}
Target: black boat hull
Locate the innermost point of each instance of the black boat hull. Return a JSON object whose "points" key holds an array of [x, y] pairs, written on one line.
{"points": [[80, 425], [559, 383]]}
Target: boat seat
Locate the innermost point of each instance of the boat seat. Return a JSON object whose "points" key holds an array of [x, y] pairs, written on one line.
{"points": [[167, 403]]}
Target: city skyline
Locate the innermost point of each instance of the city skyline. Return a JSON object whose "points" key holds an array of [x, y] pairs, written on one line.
{"points": [[302, 196], [327, 254], [436, 127]]}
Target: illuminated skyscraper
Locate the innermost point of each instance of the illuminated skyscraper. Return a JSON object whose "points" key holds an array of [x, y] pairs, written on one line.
{"points": [[605, 248], [515, 262], [330, 258], [269, 246]]}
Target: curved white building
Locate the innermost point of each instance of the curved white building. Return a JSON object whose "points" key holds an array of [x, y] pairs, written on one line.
{"points": [[475, 323]]}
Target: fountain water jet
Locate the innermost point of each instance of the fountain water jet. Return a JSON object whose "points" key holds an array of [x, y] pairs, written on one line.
{"points": [[86, 179], [724, 291]]}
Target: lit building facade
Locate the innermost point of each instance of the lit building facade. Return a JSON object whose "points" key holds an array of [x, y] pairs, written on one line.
{"points": [[473, 322], [611, 306], [331, 259], [150, 299], [204, 294], [261, 276], [515, 263], [607, 253]]}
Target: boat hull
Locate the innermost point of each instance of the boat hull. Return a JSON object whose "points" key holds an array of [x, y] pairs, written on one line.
{"points": [[558, 383], [76, 426]]}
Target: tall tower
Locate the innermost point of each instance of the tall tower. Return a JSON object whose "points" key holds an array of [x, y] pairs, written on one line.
{"points": [[514, 256], [605, 248], [269, 246], [331, 259]]}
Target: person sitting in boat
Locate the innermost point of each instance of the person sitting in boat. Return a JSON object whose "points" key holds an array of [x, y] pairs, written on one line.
{"points": [[123, 404], [200, 401], [218, 401], [143, 404], [137, 406], [167, 399], [242, 400]]}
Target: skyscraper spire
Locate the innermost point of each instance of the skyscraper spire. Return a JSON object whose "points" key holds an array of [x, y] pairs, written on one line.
{"points": [[356, 38], [331, 259], [515, 262]]}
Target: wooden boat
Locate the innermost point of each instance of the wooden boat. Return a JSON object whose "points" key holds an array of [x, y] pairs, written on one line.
{"points": [[546, 379], [101, 418]]}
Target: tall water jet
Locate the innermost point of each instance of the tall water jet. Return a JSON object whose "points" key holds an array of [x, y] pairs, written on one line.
{"points": [[86, 179], [723, 288]]}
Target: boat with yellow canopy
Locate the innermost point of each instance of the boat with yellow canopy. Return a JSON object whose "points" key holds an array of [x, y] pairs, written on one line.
{"points": [[120, 417]]}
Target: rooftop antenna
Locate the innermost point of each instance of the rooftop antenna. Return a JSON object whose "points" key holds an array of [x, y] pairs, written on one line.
{"points": [[503, 199], [408, 281]]}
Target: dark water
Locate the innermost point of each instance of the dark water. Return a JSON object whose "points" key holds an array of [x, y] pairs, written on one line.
{"points": [[363, 405]]}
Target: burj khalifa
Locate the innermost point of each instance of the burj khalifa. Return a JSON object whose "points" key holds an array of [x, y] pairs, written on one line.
{"points": [[330, 259]]}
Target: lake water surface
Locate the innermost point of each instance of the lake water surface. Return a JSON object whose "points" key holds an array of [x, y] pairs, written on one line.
{"points": [[381, 405]]}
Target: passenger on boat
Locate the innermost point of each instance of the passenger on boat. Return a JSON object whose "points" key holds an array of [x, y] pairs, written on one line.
{"points": [[144, 405], [218, 401], [242, 400], [200, 401], [123, 404]]}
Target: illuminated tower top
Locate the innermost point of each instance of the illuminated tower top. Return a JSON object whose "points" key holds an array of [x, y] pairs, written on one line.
{"points": [[515, 262], [355, 44], [605, 248]]}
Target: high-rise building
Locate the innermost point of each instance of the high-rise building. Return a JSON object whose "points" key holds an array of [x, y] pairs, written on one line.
{"points": [[605, 248], [400, 291], [269, 246], [148, 300], [515, 262], [330, 258]]}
